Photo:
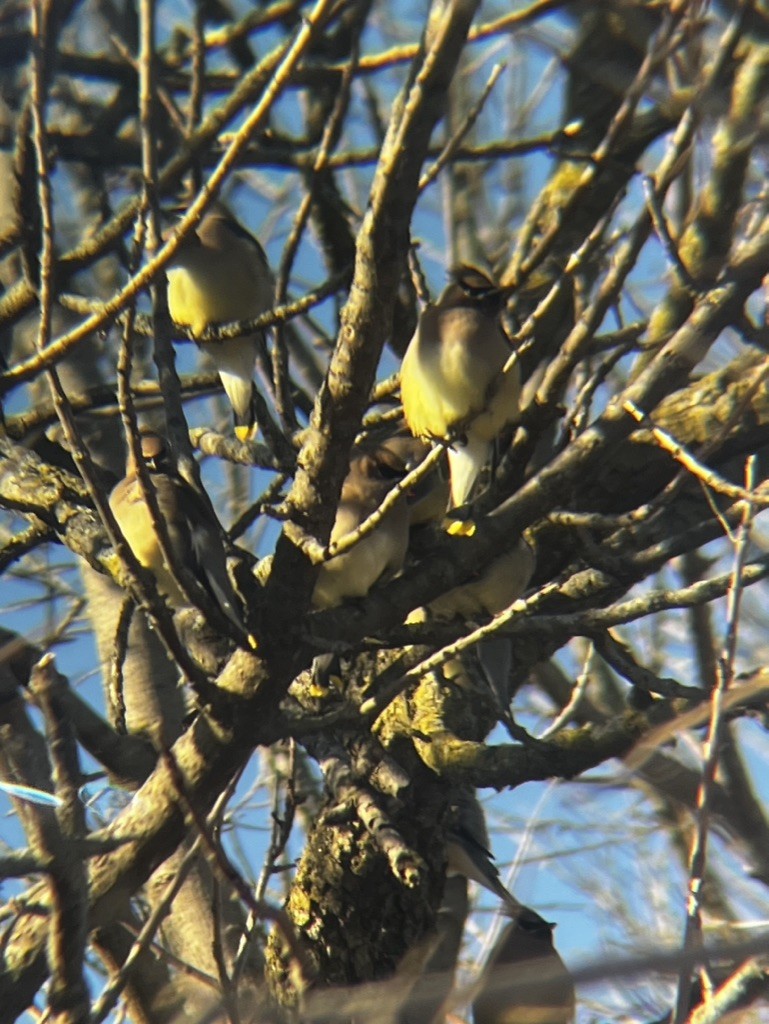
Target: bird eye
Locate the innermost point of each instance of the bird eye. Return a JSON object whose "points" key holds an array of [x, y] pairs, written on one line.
{"points": [[388, 466]]}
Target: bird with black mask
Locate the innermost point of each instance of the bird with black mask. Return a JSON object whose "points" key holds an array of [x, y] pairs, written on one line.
{"points": [[220, 275], [459, 385], [194, 533]]}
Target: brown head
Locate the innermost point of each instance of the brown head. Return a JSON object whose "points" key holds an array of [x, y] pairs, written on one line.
{"points": [[372, 474], [219, 229], [154, 451], [473, 287], [213, 231], [428, 498]]}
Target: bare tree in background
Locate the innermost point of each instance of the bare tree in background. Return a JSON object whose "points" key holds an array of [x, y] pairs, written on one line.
{"points": [[613, 174]]}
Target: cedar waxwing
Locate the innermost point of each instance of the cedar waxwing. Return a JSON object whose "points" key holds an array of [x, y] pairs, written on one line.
{"points": [[380, 554], [452, 385], [525, 981], [194, 533], [493, 590], [467, 850], [490, 592], [497, 586], [218, 275], [427, 500]]}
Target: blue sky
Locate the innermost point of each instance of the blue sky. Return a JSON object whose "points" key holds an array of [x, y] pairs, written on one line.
{"points": [[582, 850]]}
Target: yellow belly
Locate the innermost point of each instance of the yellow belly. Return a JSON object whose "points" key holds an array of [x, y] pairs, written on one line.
{"points": [[200, 300], [141, 537], [446, 388]]}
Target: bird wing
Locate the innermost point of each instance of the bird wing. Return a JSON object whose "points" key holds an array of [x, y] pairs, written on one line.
{"points": [[205, 552], [377, 556]]}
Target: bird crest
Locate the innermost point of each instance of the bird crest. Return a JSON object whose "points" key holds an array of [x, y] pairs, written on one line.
{"points": [[469, 285]]}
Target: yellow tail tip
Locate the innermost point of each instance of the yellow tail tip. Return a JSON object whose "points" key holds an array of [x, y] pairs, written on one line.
{"points": [[244, 432], [459, 527], [253, 643], [320, 689]]}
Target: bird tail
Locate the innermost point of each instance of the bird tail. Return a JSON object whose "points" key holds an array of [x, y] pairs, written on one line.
{"points": [[217, 582], [234, 359], [246, 426], [466, 856], [465, 464], [495, 656], [229, 607]]}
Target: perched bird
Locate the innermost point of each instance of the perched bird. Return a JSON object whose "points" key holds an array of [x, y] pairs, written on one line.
{"points": [[467, 851], [194, 534], [525, 981], [218, 275], [380, 554], [492, 590], [453, 386], [488, 592], [428, 498]]}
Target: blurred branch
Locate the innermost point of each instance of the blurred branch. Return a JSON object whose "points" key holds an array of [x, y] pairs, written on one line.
{"points": [[711, 754], [266, 81]]}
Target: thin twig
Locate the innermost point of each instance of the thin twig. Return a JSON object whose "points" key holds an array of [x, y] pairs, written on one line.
{"points": [[59, 347], [329, 138], [115, 692], [282, 824], [419, 282], [588, 623], [579, 412], [349, 540], [221, 861], [262, 506], [663, 233], [581, 335], [619, 657], [69, 1000], [111, 991], [373, 707], [570, 709], [143, 584], [227, 985], [711, 754], [505, 23], [197, 84], [709, 477], [466, 126], [276, 315], [162, 93], [524, 264]]}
